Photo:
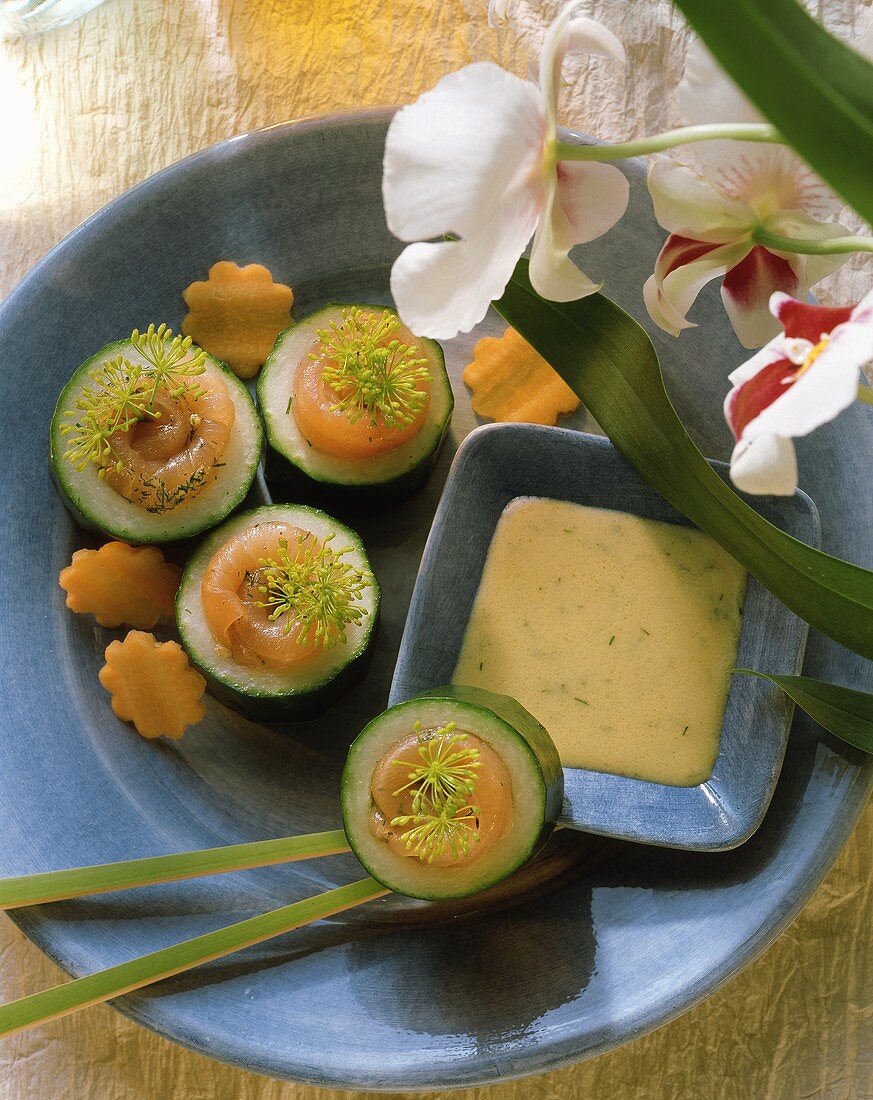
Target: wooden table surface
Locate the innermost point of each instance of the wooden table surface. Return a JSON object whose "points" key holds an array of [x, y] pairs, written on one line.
{"points": [[89, 110]]}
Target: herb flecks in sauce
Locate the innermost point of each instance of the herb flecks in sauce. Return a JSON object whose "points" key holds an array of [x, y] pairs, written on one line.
{"points": [[625, 661]]}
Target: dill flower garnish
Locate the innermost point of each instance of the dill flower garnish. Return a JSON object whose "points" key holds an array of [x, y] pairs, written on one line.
{"points": [[369, 372], [445, 771], [171, 361], [443, 821], [315, 589], [440, 832], [115, 402], [124, 393]]}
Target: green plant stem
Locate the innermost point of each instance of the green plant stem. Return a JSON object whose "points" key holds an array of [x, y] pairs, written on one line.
{"points": [[105, 877], [51, 1004], [833, 247], [865, 395], [685, 135]]}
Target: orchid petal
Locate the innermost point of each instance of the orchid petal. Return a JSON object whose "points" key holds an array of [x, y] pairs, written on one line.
{"points": [[583, 201], [799, 381], [806, 321], [762, 174], [553, 274], [746, 292], [453, 156], [498, 13], [445, 288], [748, 288], [767, 464], [706, 93], [590, 37], [682, 269], [474, 158], [763, 358], [795, 223], [766, 177], [824, 390], [591, 198], [571, 35], [745, 403], [687, 204]]}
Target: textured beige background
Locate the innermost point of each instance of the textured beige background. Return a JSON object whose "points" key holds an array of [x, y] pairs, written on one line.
{"points": [[91, 109]]}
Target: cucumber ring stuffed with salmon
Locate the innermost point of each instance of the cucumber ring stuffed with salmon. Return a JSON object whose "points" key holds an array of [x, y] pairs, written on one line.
{"points": [[450, 792], [153, 439], [278, 609], [354, 405]]}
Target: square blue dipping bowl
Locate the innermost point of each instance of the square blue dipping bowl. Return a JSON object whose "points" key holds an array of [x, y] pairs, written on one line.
{"points": [[500, 462]]}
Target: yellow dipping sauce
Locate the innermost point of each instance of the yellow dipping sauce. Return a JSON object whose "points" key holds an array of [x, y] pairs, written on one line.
{"points": [[617, 633]]}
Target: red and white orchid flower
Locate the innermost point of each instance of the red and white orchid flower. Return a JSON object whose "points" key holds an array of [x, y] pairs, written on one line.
{"points": [[475, 158], [803, 378], [713, 201]]}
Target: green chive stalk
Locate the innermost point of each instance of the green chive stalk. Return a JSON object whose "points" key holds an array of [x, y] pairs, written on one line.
{"points": [[105, 985], [106, 877]]}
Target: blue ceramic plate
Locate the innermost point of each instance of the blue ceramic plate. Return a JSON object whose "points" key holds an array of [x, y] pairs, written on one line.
{"points": [[503, 461], [598, 941]]}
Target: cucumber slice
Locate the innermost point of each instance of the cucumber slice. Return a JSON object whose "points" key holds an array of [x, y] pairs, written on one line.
{"points": [[519, 740], [95, 504], [292, 460], [300, 692]]}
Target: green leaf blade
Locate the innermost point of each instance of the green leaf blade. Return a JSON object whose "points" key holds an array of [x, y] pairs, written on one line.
{"points": [[611, 364], [844, 712]]}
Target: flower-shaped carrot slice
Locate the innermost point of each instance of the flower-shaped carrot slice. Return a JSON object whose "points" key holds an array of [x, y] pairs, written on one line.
{"points": [[153, 685], [237, 313], [511, 381], [121, 584]]}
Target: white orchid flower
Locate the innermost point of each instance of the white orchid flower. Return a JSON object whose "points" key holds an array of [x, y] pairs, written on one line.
{"points": [[475, 158], [803, 378], [498, 13], [722, 204]]}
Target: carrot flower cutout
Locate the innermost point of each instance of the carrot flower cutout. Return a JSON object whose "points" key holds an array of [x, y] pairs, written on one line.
{"points": [[512, 382], [152, 685], [237, 313], [121, 584], [803, 378]]}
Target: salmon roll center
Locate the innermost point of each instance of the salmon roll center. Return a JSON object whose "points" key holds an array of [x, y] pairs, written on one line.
{"points": [[274, 595], [166, 458], [362, 388], [167, 435], [443, 796], [235, 594]]}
